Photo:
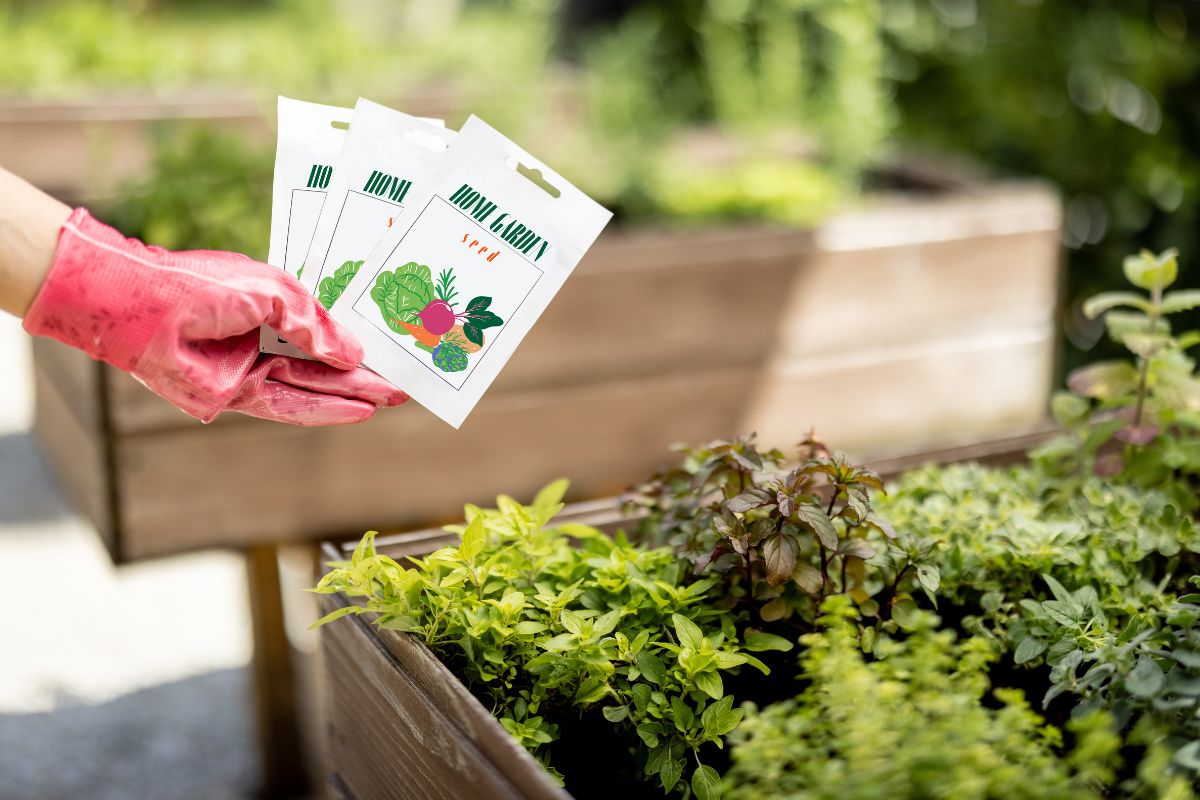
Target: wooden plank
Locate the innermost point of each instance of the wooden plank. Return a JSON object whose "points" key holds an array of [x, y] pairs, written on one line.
{"points": [[939, 291], [908, 397], [75, 376], [281, 750], [217, 487], [401, 726], [75, 449]]}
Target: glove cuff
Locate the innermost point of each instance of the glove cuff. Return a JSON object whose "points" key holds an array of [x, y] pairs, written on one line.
{"points": [[97, 296]]}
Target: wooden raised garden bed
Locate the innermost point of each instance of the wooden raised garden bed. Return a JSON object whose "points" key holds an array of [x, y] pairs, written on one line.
{"points": [[399, 724], [899, 326]]}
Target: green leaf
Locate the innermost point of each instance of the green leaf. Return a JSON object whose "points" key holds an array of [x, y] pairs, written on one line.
{"points": [[821, 524], [1028, 649], [478, 305], [1149, 271], [671, 772], [336, 614], [1146, 678], [651, 666], [688, 632], [473, 540], [402, 294], [929, 577], [706, 783], [759, 641], [331, 288], [1188, 756], [551, 494], [1057, 589], [684, 717], [365, 548], [710, 683], [529, 627], [1182, 300], [615, 713], [649, 732], [1062, 613], [720, 717], [1104, 380], [1097, 305], [473, 334]]}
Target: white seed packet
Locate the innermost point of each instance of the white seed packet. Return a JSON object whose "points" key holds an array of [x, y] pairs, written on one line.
{"points": [[310, 139], [386, 154], [443, 301]]}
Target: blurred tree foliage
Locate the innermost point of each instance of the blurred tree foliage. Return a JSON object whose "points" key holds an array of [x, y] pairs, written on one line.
{"points": [[1103, 98], [224, 205]]}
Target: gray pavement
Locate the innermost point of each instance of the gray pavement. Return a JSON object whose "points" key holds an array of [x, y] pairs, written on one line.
{"points": [[114, 683]]}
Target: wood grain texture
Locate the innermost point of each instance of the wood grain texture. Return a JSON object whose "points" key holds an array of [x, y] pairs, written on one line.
{"points": [[73, 445], [216, 487], [400, 726]]}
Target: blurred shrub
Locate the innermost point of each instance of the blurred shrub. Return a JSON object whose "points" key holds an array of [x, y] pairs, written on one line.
{"points": [[312, 48], [1099, 97], [796, 89], [206, 190]]}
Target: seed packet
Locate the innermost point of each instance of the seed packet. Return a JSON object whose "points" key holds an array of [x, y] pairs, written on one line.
{"points": [[443, 300], [310, 138], [385, 155]]}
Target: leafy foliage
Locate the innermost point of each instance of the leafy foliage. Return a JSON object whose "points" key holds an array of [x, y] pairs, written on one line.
{"points": [[331, 288], [402, 293], [919, 722], [477, 318], [1006, 540], [546, 624], [1139, 417], [779, 540]]}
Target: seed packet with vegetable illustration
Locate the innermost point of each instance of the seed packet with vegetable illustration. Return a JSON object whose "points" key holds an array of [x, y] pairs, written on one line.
{"points": [[459, 280], [310, 138], [385, 155]]}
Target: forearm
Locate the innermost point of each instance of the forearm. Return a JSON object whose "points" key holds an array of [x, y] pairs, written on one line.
{"points": [[30, 221]]}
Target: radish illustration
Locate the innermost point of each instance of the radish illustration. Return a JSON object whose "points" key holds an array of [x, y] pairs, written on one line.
{"points": [[438, 317]]}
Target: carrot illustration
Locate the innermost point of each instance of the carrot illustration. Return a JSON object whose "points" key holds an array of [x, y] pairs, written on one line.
{"points": [[420, 334]]}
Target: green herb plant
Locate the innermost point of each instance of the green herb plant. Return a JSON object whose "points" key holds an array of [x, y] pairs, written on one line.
{"points": [[1139, 417], [921, 721], [548, 624], [780, 540]]}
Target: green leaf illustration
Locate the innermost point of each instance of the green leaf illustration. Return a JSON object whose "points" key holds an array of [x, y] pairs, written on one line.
{"points": [[331, 288], [400, 295]]}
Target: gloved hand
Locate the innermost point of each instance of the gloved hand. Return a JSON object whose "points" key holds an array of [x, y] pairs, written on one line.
{"points": [[186, 325]]}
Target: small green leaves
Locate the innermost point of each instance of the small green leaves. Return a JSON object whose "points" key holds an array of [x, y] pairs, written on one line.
{"points": [[473, 540], [720, 718], [1152, 272], [706, 783], [758, 641], [682, 713], [688, 632], [1146, 679]]}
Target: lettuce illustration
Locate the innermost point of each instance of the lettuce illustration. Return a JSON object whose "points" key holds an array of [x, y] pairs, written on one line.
{"points": [[331, 288], [402, 294]]}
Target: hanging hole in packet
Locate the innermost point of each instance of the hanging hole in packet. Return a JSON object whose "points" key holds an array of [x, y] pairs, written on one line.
{"points": [[534, 175], [425, 139], [340, 125]]}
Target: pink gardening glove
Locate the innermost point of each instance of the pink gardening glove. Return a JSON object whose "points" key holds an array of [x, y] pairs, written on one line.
{"points": [[186, 325]]}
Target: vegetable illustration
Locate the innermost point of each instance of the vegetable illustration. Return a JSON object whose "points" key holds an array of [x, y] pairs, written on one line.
{"points": [[457, 336], [400, 295], [331, 288], [449, 357], [413, 306], [422, 335], [440, 318]]}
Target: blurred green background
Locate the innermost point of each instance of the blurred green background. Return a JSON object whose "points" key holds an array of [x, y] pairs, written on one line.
{"points": [[778, 111]]}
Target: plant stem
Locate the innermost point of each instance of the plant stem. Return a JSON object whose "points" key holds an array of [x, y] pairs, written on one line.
{"points": [[885, 609], [1144, 373]]}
